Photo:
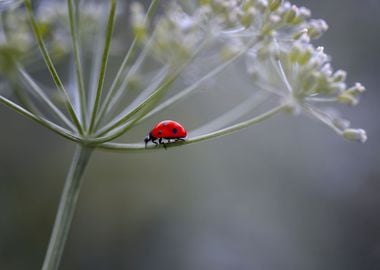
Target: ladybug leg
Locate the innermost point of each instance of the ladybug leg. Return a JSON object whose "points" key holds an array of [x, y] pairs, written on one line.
{"points": [[160, 141], [154, 141]]}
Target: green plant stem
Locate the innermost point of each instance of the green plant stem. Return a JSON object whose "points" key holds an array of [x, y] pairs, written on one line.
{"points": [[143, 108], [127, 59], [218, 133], [73, 17], [115, 124], [119, 126], [102, 72], [66, 208], [42, 121], [50, 65]]}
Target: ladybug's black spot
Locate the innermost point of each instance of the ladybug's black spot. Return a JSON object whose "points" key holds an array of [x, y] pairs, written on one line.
{"points": [[174, 130], [159, 132]]}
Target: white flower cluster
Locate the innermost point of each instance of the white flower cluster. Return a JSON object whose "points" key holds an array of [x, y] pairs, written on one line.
{"points": [[266, 42], [16, 38], [270, 33]]}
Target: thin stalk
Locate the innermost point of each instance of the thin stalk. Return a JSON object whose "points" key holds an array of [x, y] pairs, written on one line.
{"points": [[117, 129], [131, 51], [114, 85], [73, 17], [114, 94], [102, 72], [236, 127], [119, 126], [155, 83], [239, 110], [187, 91], [46, 123], [283, 76], [23, 97], [40, 93], [50, 65], [96, 63], [322, 99], [321, 116], [66, 208], [205, 137]]}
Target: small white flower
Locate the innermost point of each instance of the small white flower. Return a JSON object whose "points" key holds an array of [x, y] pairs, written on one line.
{"points": [[355, 135]]}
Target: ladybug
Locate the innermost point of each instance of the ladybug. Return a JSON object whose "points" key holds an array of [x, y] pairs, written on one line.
{"points": [[167, 129]]}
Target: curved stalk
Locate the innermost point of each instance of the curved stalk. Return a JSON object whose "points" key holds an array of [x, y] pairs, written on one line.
{"points": [[215, 134], [42, 121], [66, 208]]}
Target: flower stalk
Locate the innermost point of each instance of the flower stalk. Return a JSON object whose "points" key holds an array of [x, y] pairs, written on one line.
{"points": [[50, 66], [73, 19], [103, 68], [211, 135], [66, 208]]}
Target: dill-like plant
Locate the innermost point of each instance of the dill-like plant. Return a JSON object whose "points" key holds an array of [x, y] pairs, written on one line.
{"points": [[267, 41]]}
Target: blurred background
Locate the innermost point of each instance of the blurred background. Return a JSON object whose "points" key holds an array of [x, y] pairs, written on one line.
{"points": [[285, 194]]}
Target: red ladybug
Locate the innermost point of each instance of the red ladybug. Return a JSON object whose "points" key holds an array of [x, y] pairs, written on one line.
{"points": [[167, 129]]}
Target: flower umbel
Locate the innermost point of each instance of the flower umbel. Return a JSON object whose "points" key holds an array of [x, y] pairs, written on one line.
{"points": [[271, 37], [190, 46]]}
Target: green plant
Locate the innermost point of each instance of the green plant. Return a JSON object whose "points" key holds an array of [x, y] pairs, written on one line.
{"points": [[270, 39]]}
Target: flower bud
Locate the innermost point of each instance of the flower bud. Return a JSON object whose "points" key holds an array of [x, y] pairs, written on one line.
{"points": [[340, 76], [294, 54], [357, 89], [247, 18], [305, 56], [300, 34], [317, 28], [304, 12], [274, 4], [347, 98], [291, 14], [355, 135]]}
